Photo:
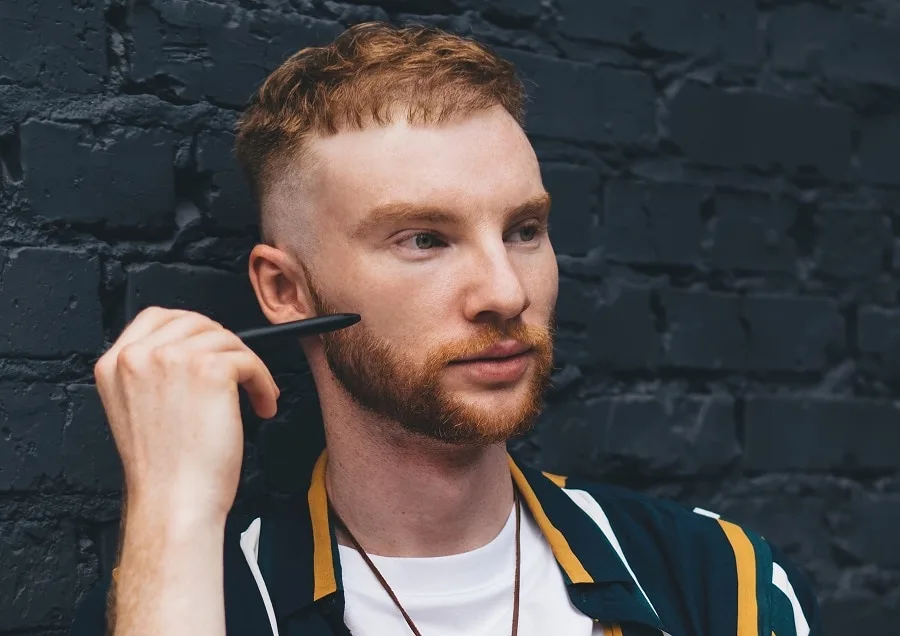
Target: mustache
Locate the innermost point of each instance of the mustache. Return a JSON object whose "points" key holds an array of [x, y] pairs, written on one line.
{"points": [[532, 336]]}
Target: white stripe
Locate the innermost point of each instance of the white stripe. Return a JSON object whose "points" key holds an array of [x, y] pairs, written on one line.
{"points": [[706, 513], [781, 581], [590, 506], [250, 548]]}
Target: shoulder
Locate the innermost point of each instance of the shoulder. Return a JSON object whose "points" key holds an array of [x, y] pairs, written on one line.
{"points": [[660, 525], [693, 562]]}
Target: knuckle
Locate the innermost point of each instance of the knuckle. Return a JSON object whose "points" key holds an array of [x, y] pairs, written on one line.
{"points": [[169, 356], [132, 359], [104, 366], [158, 312], [152, 311], [201, 320], [232, 340], [208, 365]]}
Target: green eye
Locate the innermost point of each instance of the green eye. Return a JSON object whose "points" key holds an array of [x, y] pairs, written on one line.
{"points": [[531, 232], [424, 241]]}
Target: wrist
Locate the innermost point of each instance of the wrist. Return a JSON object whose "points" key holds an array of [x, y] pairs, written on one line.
{"points": [[173, 516], [170, 575], [177, 538]]}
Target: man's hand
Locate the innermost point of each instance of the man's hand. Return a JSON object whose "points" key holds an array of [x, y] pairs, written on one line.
{"points": [[169, 386]]}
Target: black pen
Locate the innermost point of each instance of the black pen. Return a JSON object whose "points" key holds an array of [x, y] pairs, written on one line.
{"points": [[305, 327]]}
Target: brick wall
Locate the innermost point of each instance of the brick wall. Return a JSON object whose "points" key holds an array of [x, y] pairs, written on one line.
{"points": [[727, 187]]}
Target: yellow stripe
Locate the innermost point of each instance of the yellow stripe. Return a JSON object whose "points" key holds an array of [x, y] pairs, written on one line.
{"points": [[615, 630], [745, 561], [555, 538], [559, 480], [323, 561]]}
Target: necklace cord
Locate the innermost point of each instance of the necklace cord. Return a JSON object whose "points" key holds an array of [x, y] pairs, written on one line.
{"points": [[387, 588]]}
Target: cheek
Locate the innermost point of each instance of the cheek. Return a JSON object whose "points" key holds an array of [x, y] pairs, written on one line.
{"points": [[407, 309]]}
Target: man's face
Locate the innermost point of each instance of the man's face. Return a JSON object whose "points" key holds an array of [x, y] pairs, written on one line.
{"points": [[437, 236]]}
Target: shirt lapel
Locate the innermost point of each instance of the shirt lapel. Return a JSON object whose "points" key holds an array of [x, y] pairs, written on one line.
{"points": [[599, 584], [299, 560]]}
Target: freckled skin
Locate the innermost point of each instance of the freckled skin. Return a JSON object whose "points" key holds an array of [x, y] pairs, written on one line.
{"points": [[416, 463], [428, 292]]}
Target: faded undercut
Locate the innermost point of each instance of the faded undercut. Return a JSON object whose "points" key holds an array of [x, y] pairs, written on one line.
{"points": [[364, 77]]}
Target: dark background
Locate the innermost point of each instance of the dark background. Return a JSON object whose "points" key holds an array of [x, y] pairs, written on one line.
{"points": [[726, 176]]}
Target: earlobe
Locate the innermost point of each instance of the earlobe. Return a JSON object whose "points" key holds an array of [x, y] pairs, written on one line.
{"points": [[279, 285]]}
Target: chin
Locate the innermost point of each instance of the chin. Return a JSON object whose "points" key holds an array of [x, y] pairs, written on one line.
{"points": [[471, 389], [489, 399], [505, 432]]}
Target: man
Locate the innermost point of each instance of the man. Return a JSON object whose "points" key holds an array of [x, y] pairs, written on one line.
{"points": [[395, 181]]}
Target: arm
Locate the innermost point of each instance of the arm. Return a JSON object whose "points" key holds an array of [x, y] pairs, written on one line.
{"points": [[169, 387], [170, 576], [150, 581]]}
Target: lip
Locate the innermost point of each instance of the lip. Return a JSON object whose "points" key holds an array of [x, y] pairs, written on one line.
{"points": [[501, 350], [504, 371]]}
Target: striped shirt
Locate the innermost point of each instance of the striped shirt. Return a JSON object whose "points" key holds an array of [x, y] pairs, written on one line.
{"points": [[638, 565]]}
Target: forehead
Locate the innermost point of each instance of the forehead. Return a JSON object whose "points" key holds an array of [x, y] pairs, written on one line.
{"points": [[480, 159]]}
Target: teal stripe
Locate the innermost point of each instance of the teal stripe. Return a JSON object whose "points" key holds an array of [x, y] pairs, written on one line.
{"points": [[764, 585], [782, 614]]}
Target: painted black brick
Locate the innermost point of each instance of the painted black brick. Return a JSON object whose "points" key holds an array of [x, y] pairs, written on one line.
{"points": [[642, 436], [879, 140], [50, 304], [750, 129], [725, 182], [821, 434], [752, 233], [124, 179], [575, 225], [57, 44], [813, 39], [683, 26], [653, 223], [591, 116]]}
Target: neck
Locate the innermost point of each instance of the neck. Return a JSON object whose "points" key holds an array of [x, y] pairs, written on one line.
{"points": [[405, 496]]}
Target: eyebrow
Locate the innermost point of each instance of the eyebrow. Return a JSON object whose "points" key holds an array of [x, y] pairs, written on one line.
{"points": [[402, 212]]}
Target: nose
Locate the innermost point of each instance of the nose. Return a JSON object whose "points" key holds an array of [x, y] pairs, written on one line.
{"points": [[497, 292]]}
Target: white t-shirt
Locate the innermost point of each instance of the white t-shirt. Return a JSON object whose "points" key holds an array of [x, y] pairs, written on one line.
{"points": [[469, 593]]}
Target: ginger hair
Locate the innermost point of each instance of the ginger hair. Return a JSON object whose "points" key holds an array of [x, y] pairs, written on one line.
{"points": [[370, 73]]}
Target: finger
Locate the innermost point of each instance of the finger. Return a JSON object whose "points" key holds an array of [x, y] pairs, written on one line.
{"points": [[177, 331], [223, 340], [246, 368], [144, 323]]}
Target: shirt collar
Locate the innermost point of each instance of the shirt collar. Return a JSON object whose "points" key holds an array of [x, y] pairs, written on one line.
{"points": [[299, 554]]}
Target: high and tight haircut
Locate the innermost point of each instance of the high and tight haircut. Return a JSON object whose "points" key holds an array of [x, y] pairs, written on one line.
{"points": [[372, 72]]}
